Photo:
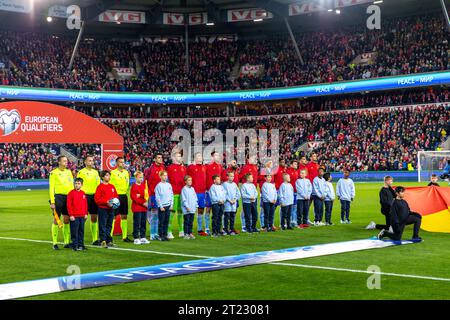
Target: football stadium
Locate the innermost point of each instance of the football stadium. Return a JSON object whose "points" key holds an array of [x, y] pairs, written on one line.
{"points": [[224, 150]]}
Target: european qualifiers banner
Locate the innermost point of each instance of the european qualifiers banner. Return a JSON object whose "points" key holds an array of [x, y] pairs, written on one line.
{"points": [[343, 87]]}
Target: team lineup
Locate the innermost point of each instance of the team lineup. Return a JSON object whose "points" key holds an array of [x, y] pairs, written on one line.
{"points": [[208, 192]]}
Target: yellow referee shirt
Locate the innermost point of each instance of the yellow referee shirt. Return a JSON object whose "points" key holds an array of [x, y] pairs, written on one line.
{"points": [[61, 182], [91, 180], [120, 180]]}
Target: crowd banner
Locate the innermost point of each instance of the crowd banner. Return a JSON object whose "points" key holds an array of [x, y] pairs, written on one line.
{"points": [[122, 16], [332, 88], [40, 122], [238, 15]]}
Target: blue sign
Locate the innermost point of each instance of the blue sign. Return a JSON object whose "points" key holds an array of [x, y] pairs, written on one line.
{"points": [[386, 83]]}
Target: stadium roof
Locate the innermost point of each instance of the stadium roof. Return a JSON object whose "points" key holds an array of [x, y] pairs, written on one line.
{"points": [[216, 11]]}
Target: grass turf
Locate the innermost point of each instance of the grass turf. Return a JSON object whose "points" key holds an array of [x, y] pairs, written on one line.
{"points": [[25, 214]]}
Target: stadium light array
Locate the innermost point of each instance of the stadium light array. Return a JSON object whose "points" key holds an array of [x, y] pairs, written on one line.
{"points": [[210, 24], [257, 20], [49, 19], [378, 2], [338, 11]]}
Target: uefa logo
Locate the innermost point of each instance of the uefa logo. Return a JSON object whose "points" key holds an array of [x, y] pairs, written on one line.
{"points": [[111, 161], [9, 121]]}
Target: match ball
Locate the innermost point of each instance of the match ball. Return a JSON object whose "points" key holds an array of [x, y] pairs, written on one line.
{"points": [[114, 202]]}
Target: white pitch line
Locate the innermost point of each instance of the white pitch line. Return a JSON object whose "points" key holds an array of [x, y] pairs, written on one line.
{"points": [[361, 271], [273, 263], [115, 248]]}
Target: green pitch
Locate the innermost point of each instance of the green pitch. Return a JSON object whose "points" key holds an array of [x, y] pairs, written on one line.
{"points": [[419, 271]]}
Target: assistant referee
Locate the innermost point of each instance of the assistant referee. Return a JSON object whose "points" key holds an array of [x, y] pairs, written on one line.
{"points": [[91, 180], [61, 183], [120, 178]]}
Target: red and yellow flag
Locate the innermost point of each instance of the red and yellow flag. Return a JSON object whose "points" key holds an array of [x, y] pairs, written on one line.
{"points": [[433, 203]]}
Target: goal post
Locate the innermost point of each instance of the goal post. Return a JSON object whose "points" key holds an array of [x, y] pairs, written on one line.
{"points": [[430, 162]]}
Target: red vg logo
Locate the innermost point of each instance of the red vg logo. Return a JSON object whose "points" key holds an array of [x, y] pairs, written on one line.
{"points": [[9, 121]]}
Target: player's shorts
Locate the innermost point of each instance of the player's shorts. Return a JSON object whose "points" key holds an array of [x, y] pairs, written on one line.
{"points": [[92, 206], [201, 200], [61, 205], [153, 204], [123, 208], [207, 200], [176, 202]]}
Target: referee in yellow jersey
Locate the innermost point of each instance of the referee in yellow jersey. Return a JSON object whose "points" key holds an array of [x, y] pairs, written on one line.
{"points": [[61, 183], [120, 178], [91, 180]]}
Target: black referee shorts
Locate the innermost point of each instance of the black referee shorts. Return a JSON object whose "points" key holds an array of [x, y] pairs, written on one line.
{"points": [[92, 206], [123, 208], [61, 205]]}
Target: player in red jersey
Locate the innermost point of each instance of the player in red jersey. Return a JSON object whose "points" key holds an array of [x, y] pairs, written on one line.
{"points": [[152, 178], [197, 171], [252, 168], [176, 172], [214, 168], [279, 171], [232, 167], [313, 167], [293, 172], [303, 165]]}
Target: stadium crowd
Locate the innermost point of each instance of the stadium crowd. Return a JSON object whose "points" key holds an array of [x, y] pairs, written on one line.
{"points": [[368, 139], [402, 46]]}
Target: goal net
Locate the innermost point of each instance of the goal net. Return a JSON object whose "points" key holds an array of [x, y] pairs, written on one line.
{"points": [[430, 162]]}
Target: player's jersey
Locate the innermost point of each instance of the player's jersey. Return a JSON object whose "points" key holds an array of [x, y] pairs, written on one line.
{"points": [[302, 167], [294, 174], [278, 179], [249, 168], [212, 169], [236, 175], [61, 182], [120, 180], [152, 177], [176, 174], [91, 180], [198, 175], [313, 170]]}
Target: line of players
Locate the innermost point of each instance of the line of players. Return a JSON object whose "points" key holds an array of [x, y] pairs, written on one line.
{"points": [[161, 193]]}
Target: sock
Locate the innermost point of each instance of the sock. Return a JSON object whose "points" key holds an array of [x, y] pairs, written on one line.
{"points": [[94, 231], [200, 222], [124, 226], [169, 229], [66, 233], [180, 222], [55, 233], [207, 217], [112, 227]]}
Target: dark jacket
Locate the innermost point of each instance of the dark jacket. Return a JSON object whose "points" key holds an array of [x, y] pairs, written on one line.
{"points": [[387, 195], [399, 212]]}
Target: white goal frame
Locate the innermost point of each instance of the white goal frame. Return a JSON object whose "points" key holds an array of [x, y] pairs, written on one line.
{"points": [[419, 164]]}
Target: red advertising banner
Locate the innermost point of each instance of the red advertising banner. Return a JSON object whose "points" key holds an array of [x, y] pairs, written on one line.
{"points": [[122, 16], [40, 122], [177, 19], [248, 14]]}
